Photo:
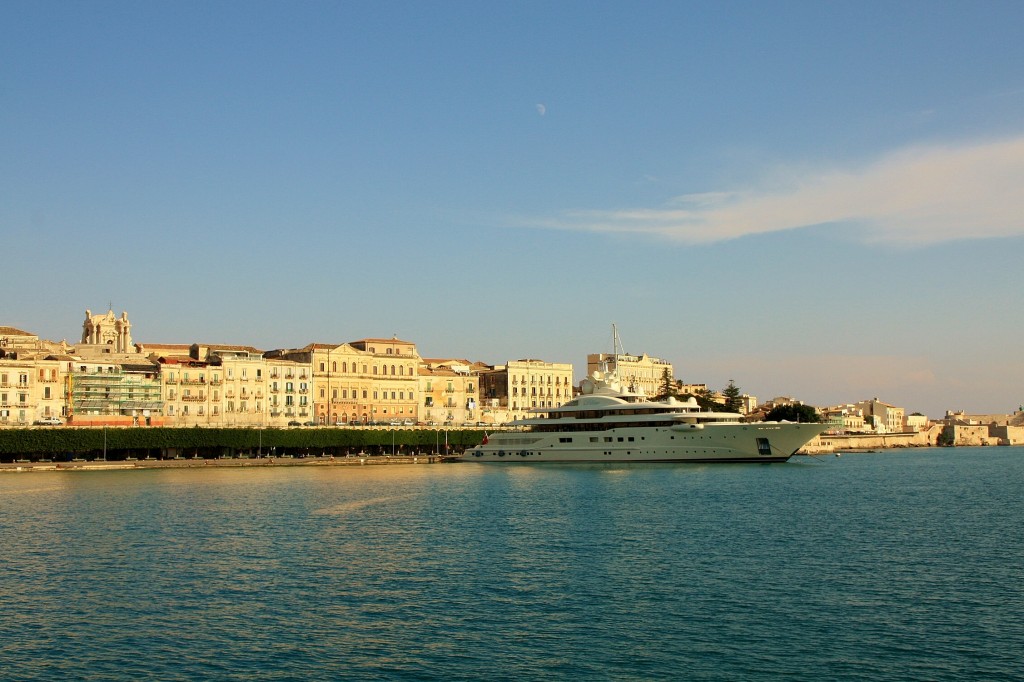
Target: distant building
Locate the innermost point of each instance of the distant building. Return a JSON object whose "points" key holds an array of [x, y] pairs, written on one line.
{"points": [[846, 418], [882, 417]]}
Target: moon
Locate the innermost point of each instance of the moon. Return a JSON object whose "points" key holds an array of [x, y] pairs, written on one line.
{"points": [[541, 109]]}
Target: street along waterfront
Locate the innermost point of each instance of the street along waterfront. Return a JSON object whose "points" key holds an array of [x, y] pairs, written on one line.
{"points": [[897, 565]]}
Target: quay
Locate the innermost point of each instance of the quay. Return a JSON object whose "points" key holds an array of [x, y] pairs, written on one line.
{"points": [[244, 462]]}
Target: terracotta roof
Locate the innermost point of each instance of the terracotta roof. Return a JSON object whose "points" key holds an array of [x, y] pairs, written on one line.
{"points": [[312, 346], [223, 346], [178, 360]]}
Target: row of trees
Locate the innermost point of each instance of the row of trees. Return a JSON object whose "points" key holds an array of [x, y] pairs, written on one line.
{"points": [[705, 398], [732, 401], [117, 443]]}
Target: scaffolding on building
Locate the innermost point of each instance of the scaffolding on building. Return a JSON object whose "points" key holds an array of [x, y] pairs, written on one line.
{"points": [[115, 392]]}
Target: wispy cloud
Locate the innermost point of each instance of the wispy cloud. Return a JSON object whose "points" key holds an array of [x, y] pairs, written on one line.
{"points": [[914, 196]]}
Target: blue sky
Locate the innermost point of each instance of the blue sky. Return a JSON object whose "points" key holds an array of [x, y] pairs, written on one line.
{"points": [[821, 200]]}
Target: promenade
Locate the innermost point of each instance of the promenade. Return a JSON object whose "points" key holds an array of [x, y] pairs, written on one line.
{"points": [[198, 463]]}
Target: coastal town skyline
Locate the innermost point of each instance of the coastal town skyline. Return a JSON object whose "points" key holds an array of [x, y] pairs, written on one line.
{"points": [[814, 201], [105, 333]]}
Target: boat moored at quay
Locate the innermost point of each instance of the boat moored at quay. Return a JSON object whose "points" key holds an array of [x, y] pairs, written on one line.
{"points": [[609, 423]]}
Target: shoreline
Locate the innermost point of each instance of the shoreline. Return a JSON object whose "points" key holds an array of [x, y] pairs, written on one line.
{"points": [[194, 463]]}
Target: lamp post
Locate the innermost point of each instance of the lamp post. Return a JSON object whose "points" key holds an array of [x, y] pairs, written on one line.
{"points": [[327, 418]]}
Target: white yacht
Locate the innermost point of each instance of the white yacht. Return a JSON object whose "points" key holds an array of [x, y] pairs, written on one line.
{"points": [[609, 423]]}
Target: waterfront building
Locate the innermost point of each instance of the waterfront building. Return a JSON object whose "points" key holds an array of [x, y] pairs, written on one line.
{"points": [[289, 394], [449, 393], [640, 373], [19, 402], [113, 393], [341, 389], [360, 382], [234, 386], [394, 368], [32, 379], [845, 418], [914, 423], [882, 417], [188, 386], [243, 371], [521, 385]]}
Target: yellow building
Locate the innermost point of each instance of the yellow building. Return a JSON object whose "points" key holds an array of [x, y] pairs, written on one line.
{"points": [[640, 373], [234, 386], [449, 393], [362, 382], [19, 401], [32, 379], [518, 386]]}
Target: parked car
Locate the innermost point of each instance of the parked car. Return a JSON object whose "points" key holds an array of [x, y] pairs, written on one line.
{"points": [[294, 423], [49, 421], [309, 423]]}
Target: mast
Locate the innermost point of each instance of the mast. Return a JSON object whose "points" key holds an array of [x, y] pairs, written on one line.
{"points": [[617, 348]]}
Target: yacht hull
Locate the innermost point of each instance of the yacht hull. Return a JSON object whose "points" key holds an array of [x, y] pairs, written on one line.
{"points": [[733, 442]]}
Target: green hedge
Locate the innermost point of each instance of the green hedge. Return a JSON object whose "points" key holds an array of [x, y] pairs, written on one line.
{"points": [[214, 441]]}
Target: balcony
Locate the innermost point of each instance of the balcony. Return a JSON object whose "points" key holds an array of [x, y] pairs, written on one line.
{"points": [[216, 382], [193, 398]]}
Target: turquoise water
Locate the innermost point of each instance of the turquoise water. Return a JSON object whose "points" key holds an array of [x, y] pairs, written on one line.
{"points": [[903, 565]]}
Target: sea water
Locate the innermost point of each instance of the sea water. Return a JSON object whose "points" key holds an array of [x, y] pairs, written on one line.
{"points": [[898, 565]]}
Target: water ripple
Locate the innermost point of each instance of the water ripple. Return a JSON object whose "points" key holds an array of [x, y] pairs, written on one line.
{"points": [[875, 567]]}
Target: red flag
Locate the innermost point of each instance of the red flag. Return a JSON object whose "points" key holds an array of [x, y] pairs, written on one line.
{"points": [[485, 439]]}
